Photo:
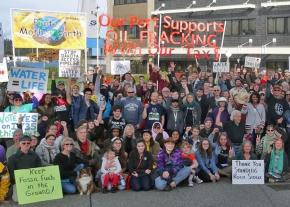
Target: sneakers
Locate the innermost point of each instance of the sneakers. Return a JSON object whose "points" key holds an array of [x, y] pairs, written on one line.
{"points": [[197, 180], [114, 189], [104, 190], [190, 184]]}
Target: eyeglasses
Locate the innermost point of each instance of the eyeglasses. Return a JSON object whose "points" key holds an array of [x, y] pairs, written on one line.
{"points": [[25, 143], [216, 90], [270, 130], [130, 92], [69, 144], [10, 94]]}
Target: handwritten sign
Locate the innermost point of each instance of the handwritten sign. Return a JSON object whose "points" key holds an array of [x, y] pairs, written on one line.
{"points": [[70, 63], [220, 67], [38, 184], [248, 171], [252, 62], [120, 67], [28, 79], [3, 71], [8, 123]]}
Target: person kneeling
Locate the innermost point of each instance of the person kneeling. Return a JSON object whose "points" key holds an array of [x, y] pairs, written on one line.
{"points": [[170, 167]]}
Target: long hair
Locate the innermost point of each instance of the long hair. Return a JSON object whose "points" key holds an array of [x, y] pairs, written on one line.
{"points": [[247, 142], [255, 94], [208, 152], [228, 144], [126, 129], [42, 100]]}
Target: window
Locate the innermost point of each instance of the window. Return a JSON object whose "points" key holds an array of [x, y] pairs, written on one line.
{"points": [[138, 67], [278, 25], [133, 32], [241, 27], [121, 2]]}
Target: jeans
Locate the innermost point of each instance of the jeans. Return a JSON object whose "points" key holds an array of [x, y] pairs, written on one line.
{"points": [[68, 186], [140, 183], [182, 174], [238, 150]]}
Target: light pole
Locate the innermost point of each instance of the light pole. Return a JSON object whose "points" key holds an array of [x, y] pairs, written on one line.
{"points": [[159, 33], [98, 36]]}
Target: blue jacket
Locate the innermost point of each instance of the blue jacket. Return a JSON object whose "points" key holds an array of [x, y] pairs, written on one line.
{"points": [[202, 163]]}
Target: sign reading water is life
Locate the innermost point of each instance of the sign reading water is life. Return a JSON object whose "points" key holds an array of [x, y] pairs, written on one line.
{"points": [[38, 184], [28, 79]]}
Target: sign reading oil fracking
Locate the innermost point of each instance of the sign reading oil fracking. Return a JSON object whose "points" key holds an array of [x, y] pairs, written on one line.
{"points": [[34, 29]]}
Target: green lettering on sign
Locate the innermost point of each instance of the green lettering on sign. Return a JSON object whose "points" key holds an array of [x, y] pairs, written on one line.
{"points": [[38, 184]]}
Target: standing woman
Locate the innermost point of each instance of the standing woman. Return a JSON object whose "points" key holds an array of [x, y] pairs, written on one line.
{"points": [[69, 164], [276, 161], [208, 170], [47, 150], [140, 166], [151, 146]]}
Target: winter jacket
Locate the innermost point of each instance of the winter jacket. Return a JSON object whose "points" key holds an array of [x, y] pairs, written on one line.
{"points": [[145, 163], [46, 152], [169, 162], [175, 119], [192, 119], [114, 169]]}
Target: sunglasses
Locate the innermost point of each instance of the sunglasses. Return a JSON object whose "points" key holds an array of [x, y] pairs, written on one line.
{"points": [[130, 92], [270, 130], [25, 143], [18, 99], [69, 144], [10, 94]]}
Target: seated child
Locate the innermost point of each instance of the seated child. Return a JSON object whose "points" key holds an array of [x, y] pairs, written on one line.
{"points": [[110, 170], [189, 160]]}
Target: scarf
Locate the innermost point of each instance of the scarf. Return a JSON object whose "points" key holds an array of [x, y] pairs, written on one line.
{"points": [[85, 147], [266, 143], [276, 161]]}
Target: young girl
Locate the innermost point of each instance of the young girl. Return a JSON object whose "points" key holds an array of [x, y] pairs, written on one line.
{"points": [[189, 160], [110, 170], [4, 176]]}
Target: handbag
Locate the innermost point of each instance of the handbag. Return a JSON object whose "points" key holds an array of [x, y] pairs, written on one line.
{"points": [[128, 178]]}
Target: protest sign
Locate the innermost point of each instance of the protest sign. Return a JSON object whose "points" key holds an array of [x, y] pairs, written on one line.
{"points": [[248, 172], [35, 29], [70, 63], [8, 123], [120, 67], [252, 62], [38, 184], [3, 71], [220, 67], [1, 43], [28, 79]]}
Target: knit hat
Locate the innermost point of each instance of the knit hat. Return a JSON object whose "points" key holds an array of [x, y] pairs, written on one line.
{"points": [[208, 119]]}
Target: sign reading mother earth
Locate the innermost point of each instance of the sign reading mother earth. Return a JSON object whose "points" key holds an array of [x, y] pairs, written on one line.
{"points": [[8, 123], [28, 79], [38, 184]]}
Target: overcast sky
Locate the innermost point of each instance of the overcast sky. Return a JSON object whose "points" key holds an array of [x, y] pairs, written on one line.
{"points": [[48, 5]]}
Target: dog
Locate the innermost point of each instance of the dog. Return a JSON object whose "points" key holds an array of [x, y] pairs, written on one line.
{"points": [[85, 183]]}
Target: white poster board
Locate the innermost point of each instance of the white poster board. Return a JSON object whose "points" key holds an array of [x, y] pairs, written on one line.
{"points": [[248, 172], [28, 79], [220, 67], [120, 67], [9, 120], [252, 62], [69, 63], [3, 71]]}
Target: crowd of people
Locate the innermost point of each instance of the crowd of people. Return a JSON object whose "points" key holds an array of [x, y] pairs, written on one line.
{"points": [[157, 133]]}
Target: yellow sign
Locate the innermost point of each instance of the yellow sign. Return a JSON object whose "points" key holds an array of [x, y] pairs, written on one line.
{"points": [[35, 29]]}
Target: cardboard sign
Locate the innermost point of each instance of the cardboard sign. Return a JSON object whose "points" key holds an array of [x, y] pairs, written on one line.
{"points": [[8, 123], [252, 62], [38, 184], [220, 67], [28, 79], [3, 71], [70, 63], [248, 172], [120, 67], [38, 29]]}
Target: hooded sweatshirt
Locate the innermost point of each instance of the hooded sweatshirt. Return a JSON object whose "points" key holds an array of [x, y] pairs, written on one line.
{"points": [[192, 113]]}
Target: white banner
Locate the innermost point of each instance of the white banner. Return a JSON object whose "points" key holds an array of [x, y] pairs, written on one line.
{"points": [[90, 8], [248, 172], [120, 67], [8, 123], [220, 67], [28, 79], [3, 71], [69, 63], [1, 43], [252, 62]]}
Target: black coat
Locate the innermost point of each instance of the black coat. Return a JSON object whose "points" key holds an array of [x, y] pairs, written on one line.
{"points": [[134, 160]]}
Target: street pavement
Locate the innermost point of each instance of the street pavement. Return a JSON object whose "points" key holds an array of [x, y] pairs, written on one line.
{"points": [[222, 194]]}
